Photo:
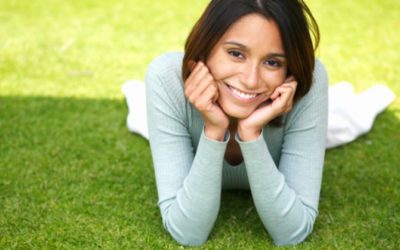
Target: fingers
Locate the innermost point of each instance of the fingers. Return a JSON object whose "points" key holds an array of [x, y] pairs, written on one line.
{"points": [[201, 90], [200, 87], [205, 102], [283, 95], [196, 76], [198, 81], [194, 69], [289, 79], [275, 94], [203, 95]]}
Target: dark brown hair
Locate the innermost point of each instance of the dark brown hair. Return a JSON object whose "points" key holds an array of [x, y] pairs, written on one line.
{"points": [[294, 20]]}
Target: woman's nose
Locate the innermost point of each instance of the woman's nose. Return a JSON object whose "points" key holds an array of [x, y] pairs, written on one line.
{"points": [[251, 77]]}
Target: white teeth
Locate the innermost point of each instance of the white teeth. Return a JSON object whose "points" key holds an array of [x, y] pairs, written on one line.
{"points": [[241, 94]]}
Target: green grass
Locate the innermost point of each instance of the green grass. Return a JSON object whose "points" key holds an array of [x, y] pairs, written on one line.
{"points": [[72, 176]]}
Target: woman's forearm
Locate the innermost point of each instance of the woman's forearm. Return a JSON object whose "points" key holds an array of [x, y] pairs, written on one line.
{"points": [[287, 216], [190, 215]]}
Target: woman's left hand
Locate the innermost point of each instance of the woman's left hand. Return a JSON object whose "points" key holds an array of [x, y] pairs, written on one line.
{"points": [[280, 102]]}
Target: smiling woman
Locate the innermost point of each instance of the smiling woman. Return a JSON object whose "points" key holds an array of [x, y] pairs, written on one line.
{"points": [[212, 115], [248, 64]]}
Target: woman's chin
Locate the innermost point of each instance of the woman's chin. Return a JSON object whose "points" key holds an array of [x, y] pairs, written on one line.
{"points": [[238, 113]]}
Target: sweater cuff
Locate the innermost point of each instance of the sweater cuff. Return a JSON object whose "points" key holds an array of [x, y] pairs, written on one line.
{"points": [[260, 137], [225, 141], [255, 152], [210, 151]]}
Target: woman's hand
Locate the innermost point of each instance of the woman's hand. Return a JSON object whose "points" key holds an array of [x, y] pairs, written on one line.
{"points": [[280, 102], [201, 90]]}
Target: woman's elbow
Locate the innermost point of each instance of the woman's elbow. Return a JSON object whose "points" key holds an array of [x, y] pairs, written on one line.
{"points": [[189, 239], [295, 237]]}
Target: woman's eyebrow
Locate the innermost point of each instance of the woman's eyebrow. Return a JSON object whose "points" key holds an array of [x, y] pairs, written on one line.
{"points": [[276, 55], [242, 46], [245, 48]]}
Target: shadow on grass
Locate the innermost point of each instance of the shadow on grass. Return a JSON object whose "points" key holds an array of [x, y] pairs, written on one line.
{"points": [[71, 175]]}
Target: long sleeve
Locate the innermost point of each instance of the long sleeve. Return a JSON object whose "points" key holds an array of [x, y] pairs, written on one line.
{"points": [[188, 182], [287, 196]]}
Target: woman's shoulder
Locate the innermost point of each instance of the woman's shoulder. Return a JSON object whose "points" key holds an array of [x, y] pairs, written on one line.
{"points": [[319, 84], [317, 96], [170, 62], [164, 84], [165, 72], [320, 75]]}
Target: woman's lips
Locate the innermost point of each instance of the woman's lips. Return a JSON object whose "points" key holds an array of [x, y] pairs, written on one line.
{"points": [[247, 97]]}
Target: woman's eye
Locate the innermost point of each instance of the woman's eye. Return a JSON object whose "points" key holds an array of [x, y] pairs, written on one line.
{"points": [[235, 53], [273, 63]]}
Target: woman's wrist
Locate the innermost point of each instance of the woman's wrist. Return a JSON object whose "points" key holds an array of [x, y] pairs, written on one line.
{"points": [[215, 133], [248, 134]]}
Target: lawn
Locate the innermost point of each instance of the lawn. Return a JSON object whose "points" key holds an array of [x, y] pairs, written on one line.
{"points": [[73, 177]]}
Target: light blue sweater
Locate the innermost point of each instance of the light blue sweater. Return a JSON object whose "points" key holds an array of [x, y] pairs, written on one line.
{"points": [[282, 168]]}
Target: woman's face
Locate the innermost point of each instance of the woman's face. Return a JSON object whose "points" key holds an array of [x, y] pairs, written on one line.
{"points": [[248, 64]]}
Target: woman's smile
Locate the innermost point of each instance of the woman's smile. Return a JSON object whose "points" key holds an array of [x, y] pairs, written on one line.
{"points": [[238, 103], [242, 96]]}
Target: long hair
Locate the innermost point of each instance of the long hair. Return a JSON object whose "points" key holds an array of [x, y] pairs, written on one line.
{"points": [[293, 18]]}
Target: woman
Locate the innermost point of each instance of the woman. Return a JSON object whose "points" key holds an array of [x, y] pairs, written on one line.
{"points": [[245, 107]]}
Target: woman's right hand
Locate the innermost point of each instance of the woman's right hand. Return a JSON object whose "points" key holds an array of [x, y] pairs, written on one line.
{"points": [[202, 92]]}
